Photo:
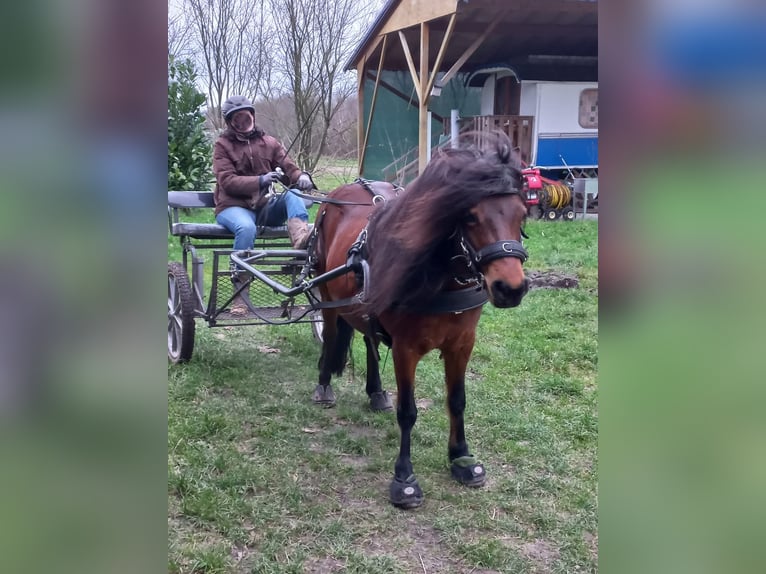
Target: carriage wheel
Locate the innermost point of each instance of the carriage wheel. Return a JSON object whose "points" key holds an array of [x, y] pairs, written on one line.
{"points": [[180, 314], [550, 214], [568, 214]]}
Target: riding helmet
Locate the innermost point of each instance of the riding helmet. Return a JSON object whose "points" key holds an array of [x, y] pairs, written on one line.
{"points": [[234, 104]]}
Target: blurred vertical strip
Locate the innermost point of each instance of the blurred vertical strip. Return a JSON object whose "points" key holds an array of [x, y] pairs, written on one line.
{"points": [[82, 229], [682, 266]]}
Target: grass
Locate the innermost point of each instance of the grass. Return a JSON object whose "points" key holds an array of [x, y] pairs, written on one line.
{"points": [[260, 480]]}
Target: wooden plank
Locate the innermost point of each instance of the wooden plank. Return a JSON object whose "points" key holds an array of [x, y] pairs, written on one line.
{"points": [[423, 142], [471, 49], [407, 98], [360, 137], [372, 47], [372, 103], [410, 64], [411, 13], [442, 51]]}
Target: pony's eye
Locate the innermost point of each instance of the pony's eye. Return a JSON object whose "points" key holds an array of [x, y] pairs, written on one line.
{"points": [[470, 219]]}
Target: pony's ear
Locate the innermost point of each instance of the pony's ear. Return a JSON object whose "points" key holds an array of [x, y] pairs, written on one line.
{"points": [[503, 151], [516, 154]]}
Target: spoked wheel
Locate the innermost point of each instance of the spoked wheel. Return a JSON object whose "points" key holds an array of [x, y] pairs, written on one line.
{"points": [[550, 214], [568, 214], [180, 314]]}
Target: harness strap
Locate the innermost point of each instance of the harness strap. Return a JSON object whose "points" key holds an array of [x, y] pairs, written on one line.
{"points": [[353, 300], [452, 301]]}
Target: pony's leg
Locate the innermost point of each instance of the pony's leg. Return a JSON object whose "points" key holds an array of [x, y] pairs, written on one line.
{"points": [[464, 468], [379, 399], [323, 393], [405, 491]]}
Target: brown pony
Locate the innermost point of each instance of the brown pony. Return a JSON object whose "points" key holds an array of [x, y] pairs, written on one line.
{"points": [[428, 259]]}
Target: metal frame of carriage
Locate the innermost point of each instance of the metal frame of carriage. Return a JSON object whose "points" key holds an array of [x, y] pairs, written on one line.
{"points": [[276, 274]]}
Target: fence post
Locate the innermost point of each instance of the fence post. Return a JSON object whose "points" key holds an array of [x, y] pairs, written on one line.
{"points": [[428, 154], [453, 117]]}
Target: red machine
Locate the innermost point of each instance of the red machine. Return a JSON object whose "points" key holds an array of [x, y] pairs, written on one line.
{"points": [[533, 185], [547, 198]]}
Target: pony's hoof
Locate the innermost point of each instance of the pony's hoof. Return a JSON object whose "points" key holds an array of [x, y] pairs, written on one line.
{"points": [[381, 401], [468, 472], [405, 493], [324, 396]]}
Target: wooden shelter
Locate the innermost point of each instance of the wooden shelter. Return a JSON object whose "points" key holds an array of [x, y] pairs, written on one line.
{"points": [[436, 40]]}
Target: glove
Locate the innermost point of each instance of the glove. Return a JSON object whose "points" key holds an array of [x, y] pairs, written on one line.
{"points": [[268, 178], [304, 182]]}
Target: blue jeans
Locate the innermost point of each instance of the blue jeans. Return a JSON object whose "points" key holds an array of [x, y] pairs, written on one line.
{"points": [[242, 222]]}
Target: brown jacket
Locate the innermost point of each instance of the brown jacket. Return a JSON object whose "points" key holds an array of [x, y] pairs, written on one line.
{"points": [[239, 164]]}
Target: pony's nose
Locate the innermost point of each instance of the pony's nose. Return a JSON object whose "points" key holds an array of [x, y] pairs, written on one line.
{"points": [[505, 295]]}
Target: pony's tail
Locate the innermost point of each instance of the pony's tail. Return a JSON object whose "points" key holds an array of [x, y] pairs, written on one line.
{"points": [[338, 355]]}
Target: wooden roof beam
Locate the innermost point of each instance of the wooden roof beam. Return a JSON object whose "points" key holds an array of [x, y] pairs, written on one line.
{"points": [[470, 50], [410, 64], [442, 51], [372, 103]]}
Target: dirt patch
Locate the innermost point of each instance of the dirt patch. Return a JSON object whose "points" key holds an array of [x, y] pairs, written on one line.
{"points": [[418, 549], [238, 553], [551, 280], [424, 403], [353, 429], [363, 501], [591, 540], [541, 553], [354, 461], [358, 432], [322, 565]]}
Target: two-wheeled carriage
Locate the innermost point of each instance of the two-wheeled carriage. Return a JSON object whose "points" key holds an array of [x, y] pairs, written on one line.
{"points": [[268, 303]]}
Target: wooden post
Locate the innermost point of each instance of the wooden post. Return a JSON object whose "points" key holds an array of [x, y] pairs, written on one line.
{"points": [[372, 106], [360, 79], [423, 143]]}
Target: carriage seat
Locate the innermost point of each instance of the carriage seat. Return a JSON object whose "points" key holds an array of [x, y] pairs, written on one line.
{"points": [[178, 200]]}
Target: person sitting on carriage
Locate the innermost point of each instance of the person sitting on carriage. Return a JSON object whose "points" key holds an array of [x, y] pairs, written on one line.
{"points": [[245, 163]]}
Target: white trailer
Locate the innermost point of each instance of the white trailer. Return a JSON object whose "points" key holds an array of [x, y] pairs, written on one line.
{"points": [[565, 123]]}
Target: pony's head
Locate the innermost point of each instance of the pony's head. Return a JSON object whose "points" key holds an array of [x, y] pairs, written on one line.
{"points": [[473, 193], [493, 227]]}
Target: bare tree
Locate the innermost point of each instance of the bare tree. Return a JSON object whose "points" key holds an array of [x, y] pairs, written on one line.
{"points": [[231, 40], [179, 36], [315, 38], [341, 136]]}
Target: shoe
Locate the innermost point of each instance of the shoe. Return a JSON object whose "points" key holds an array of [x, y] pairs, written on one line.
{"points": [[239, 307], [239, 304], [299, 233]]}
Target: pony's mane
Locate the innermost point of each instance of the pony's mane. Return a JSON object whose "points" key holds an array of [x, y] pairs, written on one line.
{"points": [[408, 236]]}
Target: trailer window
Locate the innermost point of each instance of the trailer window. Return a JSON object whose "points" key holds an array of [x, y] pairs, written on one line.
{"points": [[589, 108]]}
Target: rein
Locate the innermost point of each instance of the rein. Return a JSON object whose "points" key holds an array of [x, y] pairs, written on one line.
{"points": [[332, 201], [365, 183]]}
